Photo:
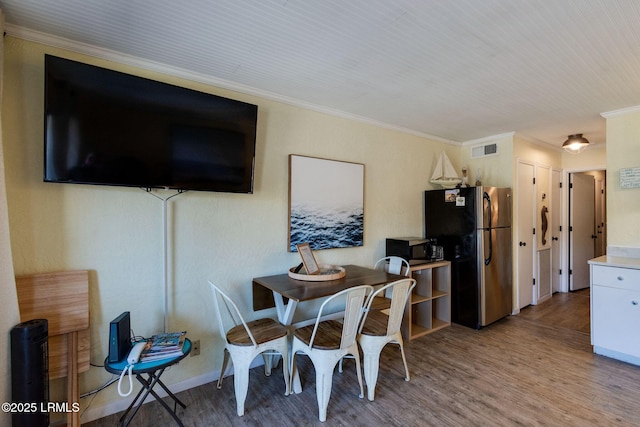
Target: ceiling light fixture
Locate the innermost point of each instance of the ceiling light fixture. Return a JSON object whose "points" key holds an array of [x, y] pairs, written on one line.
{"points": [[575, 143]]}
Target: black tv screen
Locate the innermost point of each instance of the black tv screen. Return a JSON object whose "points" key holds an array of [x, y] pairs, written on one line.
{"points": [[111, 128]]}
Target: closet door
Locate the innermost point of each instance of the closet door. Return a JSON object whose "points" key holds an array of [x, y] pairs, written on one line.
{"points": [[581, 228], [556, 231], [524, 233], [543, 233], [601, 238]]}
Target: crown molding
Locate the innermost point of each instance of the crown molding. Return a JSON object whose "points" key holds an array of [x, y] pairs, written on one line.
{"points": [[621, 112]]}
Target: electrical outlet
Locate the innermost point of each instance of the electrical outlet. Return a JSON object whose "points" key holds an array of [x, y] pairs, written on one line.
{"points": [[195, 348]]}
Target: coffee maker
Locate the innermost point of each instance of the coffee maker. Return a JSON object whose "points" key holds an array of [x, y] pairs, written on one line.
{"points": [[434, 251]]}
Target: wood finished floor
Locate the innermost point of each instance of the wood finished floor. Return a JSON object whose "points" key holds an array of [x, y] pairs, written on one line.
{"points": [[533, 369]]}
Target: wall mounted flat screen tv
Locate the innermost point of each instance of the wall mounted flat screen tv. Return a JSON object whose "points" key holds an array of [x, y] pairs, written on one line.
{"points": [[111, 128]]}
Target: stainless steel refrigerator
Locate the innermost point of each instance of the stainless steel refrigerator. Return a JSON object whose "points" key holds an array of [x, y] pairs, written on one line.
{"points": [[473, 225]]}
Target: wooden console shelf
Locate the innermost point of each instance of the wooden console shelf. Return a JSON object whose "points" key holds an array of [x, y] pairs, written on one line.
{"points": [[429, 305]]}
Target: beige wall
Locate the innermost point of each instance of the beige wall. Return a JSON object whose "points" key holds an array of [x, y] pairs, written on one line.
{"points": [[227, 238], [539, 154], [9, 315], [594, 157], [623, 205], [494, 170]]}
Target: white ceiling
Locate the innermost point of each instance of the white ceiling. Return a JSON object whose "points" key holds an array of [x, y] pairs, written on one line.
{"points": [[458, 70]]}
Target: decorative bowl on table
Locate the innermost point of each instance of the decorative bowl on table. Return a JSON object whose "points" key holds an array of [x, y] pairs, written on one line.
{"points": [[327, 272]]}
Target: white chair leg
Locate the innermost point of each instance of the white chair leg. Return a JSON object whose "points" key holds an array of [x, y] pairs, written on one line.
{"points": [[404, 360], [359, 372], [293, 371], [340, 367], [285, 371], [324, 382], [241, 384], [225, 362], [269, 362], [371, 367]]}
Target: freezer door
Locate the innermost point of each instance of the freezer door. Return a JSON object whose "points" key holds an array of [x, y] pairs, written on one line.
{"points": [[493, 207], [496, 286], [445, 215]]}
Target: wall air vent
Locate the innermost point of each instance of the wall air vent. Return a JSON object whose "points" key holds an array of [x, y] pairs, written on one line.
{"points": [[484, 150]]}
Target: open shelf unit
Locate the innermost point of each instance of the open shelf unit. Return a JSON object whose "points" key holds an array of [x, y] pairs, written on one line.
{"points": [[429, 305]]}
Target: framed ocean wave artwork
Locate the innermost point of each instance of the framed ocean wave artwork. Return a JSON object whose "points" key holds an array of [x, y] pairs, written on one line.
{"points": [[326, 203]]}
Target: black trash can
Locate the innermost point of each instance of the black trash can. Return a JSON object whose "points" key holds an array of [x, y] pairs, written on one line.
{"points": [[30, 373]]}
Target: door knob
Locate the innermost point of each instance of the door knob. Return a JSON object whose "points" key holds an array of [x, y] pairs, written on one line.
{"points": [[554, 238], [523, 243]]}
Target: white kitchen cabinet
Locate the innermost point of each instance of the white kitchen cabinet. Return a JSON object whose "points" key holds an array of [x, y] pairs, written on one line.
{"points": [[615, 307]]}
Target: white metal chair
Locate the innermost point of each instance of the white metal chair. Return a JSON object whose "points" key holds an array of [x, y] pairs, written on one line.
{"points": [[245, 341], [393, 264], [326, 342], [390, 264], [380, 327]]}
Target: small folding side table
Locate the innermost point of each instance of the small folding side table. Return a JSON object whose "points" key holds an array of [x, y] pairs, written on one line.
{"points": [[153, 371]]}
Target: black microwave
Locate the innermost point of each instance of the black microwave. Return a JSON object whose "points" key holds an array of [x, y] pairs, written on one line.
{"points": [[414, 248]]}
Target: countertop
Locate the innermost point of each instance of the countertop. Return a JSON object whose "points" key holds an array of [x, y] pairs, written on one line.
{"points": [[616, 261]]}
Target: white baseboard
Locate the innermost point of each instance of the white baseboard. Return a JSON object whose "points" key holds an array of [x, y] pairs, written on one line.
{"points": [[635, 360], [96, 412]]}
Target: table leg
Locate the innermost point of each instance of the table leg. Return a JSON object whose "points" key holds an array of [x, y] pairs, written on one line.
{"points": [[285, 316], [155, 379], [270, 360], [147, 388], [124, 417], [170, 394], [73, 393]]}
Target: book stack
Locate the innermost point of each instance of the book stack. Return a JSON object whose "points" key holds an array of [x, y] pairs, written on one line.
{"points": [[163, 346]]}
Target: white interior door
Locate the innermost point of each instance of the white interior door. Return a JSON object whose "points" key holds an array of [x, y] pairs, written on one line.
{"points": [[525, 237], [601, 238], [555, 230], [581, 228], [543, 240]]}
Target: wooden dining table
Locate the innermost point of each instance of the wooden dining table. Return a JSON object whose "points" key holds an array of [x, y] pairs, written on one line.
{"points": [[285, 293]]}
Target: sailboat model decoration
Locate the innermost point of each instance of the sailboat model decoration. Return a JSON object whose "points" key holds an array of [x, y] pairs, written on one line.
{"points": [[444, 173]]}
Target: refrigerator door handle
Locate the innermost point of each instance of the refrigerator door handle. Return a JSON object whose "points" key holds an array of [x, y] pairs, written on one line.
{"points": [[487, 260], [486, 197]]}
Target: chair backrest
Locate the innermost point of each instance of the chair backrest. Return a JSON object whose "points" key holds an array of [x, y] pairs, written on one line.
{"points": [[393, 264], [227, 312], [354, 307], [401, 289]]}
